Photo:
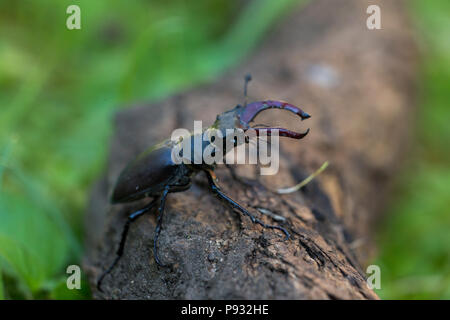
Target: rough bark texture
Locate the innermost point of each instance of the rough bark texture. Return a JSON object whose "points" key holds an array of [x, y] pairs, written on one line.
{"points": [[357, 85]]}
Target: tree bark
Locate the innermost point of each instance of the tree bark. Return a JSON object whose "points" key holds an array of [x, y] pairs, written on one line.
{"points": [[358, 85]]}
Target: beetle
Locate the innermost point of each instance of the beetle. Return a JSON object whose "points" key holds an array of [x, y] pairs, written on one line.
{"points": [[155, 174]]}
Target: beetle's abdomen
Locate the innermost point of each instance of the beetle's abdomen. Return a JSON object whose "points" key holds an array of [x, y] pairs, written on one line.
{"points": [[148, 174]]}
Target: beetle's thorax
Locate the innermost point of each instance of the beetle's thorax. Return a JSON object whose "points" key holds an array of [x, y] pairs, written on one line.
{"points": [[229, 120]]}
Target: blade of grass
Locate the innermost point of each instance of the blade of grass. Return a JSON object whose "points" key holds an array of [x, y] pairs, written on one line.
{"points": [[35, 195], [304, 182]]}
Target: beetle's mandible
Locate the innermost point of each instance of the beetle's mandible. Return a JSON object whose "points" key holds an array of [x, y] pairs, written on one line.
{"points": [[154, 174]]}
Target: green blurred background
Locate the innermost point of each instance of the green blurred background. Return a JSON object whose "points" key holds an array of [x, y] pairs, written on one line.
{"points": [[60, 88]]}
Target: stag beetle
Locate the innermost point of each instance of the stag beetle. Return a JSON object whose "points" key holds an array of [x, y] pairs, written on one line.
{"points": [[154, 174]]}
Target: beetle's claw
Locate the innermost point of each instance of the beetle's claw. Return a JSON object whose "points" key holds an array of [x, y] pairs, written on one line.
{"points": [[282, 132], [250, 111]]}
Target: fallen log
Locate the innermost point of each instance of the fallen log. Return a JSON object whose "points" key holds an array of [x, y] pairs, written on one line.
{"points": [[358, 85]]}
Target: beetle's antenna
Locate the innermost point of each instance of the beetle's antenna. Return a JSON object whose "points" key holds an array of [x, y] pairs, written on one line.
{"points": [[248, 78]]}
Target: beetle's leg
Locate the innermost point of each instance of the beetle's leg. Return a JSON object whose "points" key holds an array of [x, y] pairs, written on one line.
{"points": [[216, 189], [131, 218], [184, 185], [158, 225], [281, 132]]}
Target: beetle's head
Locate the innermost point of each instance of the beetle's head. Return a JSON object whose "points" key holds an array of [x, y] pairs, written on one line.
{"points": [[240, 118]]}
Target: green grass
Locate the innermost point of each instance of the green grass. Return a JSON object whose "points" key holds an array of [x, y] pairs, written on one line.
{"points": [[415, 238], [58, 92]]}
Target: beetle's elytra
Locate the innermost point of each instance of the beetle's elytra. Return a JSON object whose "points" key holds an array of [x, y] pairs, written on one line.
{"points": [[154, 174]]}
